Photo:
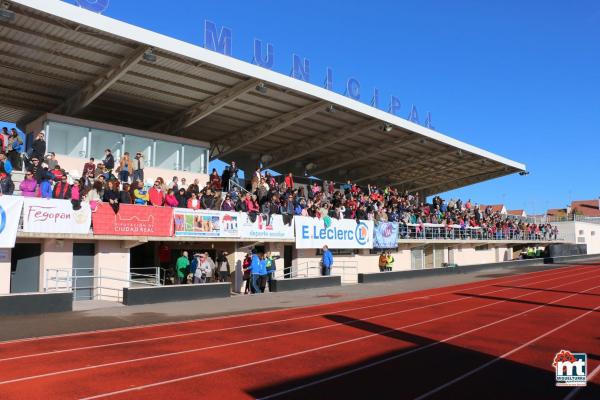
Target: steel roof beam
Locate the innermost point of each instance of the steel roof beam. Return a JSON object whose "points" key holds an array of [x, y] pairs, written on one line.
{"points": [[204, 108], [94, 89], [248, 136], [324, 140], [356, 156], [426, 175], [436, 184]]}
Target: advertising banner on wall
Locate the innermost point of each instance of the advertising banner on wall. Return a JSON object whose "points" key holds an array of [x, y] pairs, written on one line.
{"points": [[311, 233], [132, 220], [206, 223], [55, 216], [386, 235], [10, 212], [265, 228]]}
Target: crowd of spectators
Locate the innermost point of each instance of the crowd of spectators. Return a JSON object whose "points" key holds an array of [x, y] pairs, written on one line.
{"points": [[123, 182]]}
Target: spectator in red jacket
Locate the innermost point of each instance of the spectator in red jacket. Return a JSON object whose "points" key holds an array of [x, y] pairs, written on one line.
{"points": [[170, 199], [289, 181], [156, 194]]}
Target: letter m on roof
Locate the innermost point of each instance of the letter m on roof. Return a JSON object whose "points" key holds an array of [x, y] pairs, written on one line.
{"points": [[219, 42]]}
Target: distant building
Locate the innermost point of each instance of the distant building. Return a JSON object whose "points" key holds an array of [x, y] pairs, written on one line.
{"points": [[517, 213]]}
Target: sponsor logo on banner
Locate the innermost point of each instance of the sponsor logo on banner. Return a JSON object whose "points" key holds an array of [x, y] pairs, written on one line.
{"points": [[205, 223], [571, 368], [265, 228], [55, 216], [10, 212], [133, 220], [311, 233], [386, 235]]}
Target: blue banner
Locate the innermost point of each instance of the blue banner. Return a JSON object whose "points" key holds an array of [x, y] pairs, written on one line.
{"points": [[385, 235]]}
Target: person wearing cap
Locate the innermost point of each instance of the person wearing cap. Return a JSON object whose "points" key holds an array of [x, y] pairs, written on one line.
{"points": [[138, 167], [38, 147]]}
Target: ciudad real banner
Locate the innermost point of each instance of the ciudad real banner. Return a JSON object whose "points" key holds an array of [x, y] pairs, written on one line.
{"points": [[386, 235], [206, 223], [55, 216], [10, 212], [313, 233], [261, 226], [133, 220]]}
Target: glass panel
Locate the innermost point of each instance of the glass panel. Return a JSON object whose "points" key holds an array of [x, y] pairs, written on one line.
{"points": [[134, 144], [194, 159], [167, 155], [102, 140], [69, 140]]}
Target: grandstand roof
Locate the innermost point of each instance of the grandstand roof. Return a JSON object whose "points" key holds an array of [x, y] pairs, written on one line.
{"points": [[56, 57]]}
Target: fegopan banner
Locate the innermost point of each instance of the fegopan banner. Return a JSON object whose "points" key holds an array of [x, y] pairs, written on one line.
{"points": [[206, 223], [262, 227], [386, 235], [10, 212], [55, 216], [312, 233], [133, 220]]}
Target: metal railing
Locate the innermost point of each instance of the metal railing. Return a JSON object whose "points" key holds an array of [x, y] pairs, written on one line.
{"points": [[86, 286], [429, 232], [347, 269]]}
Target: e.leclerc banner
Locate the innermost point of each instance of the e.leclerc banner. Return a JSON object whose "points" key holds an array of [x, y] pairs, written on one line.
{"points": [[133, 220], [206, 223], [311, 233], [10, 212], [386, 235], [55, 216]]}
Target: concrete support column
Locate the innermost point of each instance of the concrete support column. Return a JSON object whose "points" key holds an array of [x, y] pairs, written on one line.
{"points": [[57, 254], [5, 255]]}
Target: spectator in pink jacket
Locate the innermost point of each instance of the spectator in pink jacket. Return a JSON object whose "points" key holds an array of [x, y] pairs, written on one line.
{"points": [[28, 185], [170, 199]]}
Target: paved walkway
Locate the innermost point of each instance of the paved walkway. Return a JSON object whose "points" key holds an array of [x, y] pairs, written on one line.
{"points": [[90, 316]]}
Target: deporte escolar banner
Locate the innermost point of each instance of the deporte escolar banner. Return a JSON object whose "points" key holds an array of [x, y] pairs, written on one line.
{"points": [[314, 233]]}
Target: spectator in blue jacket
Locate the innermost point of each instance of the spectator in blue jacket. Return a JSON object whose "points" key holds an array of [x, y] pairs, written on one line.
{"points": [[327, 261], [46, 186], [257, 269]]}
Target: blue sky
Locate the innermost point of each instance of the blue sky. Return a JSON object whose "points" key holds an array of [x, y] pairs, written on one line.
{"points": [[520, 79]]}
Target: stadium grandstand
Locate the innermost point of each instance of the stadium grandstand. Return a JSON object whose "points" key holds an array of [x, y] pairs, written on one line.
{"points": [[112, 117]]}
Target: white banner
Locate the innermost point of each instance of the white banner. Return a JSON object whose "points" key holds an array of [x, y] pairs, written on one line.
{"points": [[263, 228], [311, 233], [55, 216], [206, 223], [10, 212]]}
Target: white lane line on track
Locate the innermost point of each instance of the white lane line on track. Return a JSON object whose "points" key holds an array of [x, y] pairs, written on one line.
{"points": [[128, 361], [53, 352], [160, 383], [576, 390], [415, 349], [191, 321], [503, 356]]}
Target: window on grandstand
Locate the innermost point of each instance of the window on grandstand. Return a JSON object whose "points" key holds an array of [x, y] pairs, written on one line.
{"points": [[167, 155], [69, 140], [134, 144], [102, 140], [194, 159]]}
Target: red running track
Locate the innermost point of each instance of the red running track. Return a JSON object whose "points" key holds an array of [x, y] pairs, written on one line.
{"points": [[494, 339]]}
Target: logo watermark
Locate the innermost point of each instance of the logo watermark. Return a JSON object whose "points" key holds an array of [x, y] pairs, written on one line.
{"points": [[571, 368]]}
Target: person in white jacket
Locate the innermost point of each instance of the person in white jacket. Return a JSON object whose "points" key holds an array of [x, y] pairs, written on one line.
{"points": [[210, 273]]}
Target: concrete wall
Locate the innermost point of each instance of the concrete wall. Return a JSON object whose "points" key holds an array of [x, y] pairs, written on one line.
{"points": [[580, 233], [111, 261], [57, 254], [5, 256]]}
